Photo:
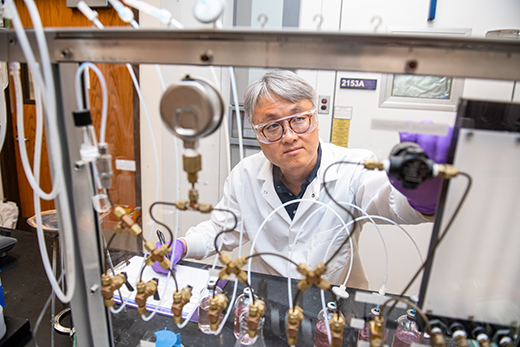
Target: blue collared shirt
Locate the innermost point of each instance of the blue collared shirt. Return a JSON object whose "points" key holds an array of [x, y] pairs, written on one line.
{"points": [[285, 193]]}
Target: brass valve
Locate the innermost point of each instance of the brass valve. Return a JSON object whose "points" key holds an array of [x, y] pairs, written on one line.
{"points": [[483, 340], [180, 298], [372, 164], [337, 326], [256, 312], [505, 341], [192, 165], [460, 338], [144, 290], [437, 338], [159, 254], [217, 304], [194, 197], [126, 223], [447, 171], [294, 319], [376, 332], [109, 286], [232, 267], [312, 277]]}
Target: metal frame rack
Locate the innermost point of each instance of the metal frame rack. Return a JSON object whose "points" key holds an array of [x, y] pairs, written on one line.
{"points": [[446, 56]]}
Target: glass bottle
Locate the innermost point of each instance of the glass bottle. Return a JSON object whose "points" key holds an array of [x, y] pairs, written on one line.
{"points": [[321, 338], [204, 308], [426, 339], [241, 304], [364, 334], [407, 331], [244, 339]]}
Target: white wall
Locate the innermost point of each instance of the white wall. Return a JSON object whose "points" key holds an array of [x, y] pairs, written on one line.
{"points": [[345, 15]]}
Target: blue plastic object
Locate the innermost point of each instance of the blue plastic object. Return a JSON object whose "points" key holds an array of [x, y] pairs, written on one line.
{"points": [[166, 338]]}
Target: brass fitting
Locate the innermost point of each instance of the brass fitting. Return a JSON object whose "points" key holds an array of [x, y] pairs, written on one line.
{"points": [[447, 171], [505, 341], [337, 326], [437, 338], [372, 164], [460, 338], [182, 205], [192, 165], [180, 298], [217, 304], [109, 285], [159, 254], [376, 332], [232, 267], [312, 277], [483, 340], [144, 290], [205, 208], [125, 222], [194, 198], [256, 312], [294, 319], [149, 246]]}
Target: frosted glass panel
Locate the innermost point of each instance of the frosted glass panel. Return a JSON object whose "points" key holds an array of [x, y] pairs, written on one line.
{"points": [[476, 272]]}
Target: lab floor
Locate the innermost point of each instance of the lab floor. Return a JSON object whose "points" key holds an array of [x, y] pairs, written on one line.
{"points": [[26, 289]]}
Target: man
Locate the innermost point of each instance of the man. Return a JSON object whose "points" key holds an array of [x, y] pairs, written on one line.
{"points": [[293, 162]]}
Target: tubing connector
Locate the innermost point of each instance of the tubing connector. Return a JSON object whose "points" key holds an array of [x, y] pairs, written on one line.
{"points": [[192, 164], [217, 304], [144, 290], [232, 267], [109, 286], [104, 164], [180, 298], [460, 338], [256, 312], [376, 331], [184, 205], [337, 326], [294, 319], [447, 171], [483, 340], [312, 277], [126, 223], [437, 338], [159, 254], [373, 164]]}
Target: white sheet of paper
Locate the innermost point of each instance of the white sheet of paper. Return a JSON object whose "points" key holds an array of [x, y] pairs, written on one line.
{"points": [[195, 277]]}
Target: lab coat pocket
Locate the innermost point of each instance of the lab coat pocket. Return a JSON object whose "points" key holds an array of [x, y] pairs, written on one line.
{"points": [[321, 242]]}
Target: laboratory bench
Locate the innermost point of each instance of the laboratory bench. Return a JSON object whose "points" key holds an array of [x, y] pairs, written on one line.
{"points": [[26, 289]]}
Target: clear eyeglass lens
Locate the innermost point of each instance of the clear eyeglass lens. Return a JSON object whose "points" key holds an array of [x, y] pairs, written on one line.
{"points": [[275, 131]]}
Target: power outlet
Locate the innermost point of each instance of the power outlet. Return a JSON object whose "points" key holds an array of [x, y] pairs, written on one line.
{"points": [[323, 104]]}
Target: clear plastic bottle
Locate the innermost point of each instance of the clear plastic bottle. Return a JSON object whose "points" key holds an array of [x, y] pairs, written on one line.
{"points": [[407, 331], [244, 339], [241, 304], [321, 338], [204, 307], [364, 334]]}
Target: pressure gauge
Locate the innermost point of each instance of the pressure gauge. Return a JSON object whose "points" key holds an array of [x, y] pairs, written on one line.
{"points": [[192, 109]]}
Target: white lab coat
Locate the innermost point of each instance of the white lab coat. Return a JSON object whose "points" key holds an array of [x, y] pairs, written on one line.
{"points": [[251, 196]]}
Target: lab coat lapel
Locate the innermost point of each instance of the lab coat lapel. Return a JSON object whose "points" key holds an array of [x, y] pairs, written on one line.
{"points": [[268, 192], [314, 189]]}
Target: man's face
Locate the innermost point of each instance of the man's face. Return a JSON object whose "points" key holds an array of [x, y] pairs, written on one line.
{"points": [[294, 152]]}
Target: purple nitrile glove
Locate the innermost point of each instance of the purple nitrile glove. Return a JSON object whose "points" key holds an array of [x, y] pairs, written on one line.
{"points": [[424, 198], [179, 251]]}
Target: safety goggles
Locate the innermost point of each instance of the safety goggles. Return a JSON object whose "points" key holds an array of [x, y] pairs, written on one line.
{"points": [[300, 123]]}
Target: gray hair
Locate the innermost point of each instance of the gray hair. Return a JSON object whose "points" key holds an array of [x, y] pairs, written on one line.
{"points": [[283, 83]]}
